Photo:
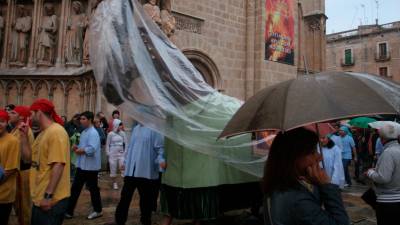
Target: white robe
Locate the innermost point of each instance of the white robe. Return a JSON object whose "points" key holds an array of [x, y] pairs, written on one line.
{"points": [[333, 165]]}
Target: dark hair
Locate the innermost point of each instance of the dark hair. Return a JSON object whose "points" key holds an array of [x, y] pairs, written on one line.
{"points": [[330, 143], [287, 148], [10, 107], [115, 112], [89, 115]]}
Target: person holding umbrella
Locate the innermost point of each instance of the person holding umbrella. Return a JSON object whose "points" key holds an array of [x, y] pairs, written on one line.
{"points": [[298, 199]]}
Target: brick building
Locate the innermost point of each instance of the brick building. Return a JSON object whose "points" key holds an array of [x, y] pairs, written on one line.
{"points": [[372, 49], [224, 39]]}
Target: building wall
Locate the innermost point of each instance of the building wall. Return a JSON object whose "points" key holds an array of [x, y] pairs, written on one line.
{"points": [[232, 36], [363, 42], [224, 40], [72, 88]]}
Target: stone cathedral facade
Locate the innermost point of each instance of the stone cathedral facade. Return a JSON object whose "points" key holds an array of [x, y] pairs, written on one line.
{"points": [[44, 54], [44, 47]]}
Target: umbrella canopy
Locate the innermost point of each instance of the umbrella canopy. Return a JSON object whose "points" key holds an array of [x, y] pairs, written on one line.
{"points": [[361, 122], [315, 98], [322, 129]]}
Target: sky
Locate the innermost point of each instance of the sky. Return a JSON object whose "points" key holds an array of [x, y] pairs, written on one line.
{"points": [[348, 14]]}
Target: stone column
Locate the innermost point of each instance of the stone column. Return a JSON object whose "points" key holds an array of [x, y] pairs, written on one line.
{"points": [[250, 45], [94, 95], [299, 43], [89, 95], [65, 11], [323, 44], [20, 93], [82, 95], [51, 91], [66, 98], [7, 32], [259, 44], [98, 98], [37, 12]]}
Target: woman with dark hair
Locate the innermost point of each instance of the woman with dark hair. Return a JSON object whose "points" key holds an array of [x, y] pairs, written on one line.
{"points": [[296, 187], [333, 161]]}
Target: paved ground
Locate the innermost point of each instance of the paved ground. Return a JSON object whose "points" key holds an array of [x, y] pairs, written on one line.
{"points": [[359, 212]]}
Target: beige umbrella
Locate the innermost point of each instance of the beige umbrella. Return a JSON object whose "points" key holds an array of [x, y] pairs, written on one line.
{"points": [[313, 99]]}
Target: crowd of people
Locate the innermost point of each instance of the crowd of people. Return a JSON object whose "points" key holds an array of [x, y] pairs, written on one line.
{"points": [[46, 161], [314, 177], [347, 145]]}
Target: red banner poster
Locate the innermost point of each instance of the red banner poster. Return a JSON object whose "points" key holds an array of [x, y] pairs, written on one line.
{"points": [[279, 31]]}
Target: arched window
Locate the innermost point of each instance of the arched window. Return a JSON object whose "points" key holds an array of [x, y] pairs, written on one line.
{"points": [[206, 66]]}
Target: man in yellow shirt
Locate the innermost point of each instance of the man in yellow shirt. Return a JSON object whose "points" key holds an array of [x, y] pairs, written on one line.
{"points": [[9, 161], [23, 203], [50, 158]]}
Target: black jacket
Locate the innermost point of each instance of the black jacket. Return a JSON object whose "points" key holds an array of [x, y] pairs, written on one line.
{"points": [[301, 206]]}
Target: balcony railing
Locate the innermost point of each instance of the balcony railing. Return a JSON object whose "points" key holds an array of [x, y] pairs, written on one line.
{"points": [[344, 62], [379, 57]]}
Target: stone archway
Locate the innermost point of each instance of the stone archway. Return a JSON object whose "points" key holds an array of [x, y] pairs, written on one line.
{"points": [[206, 66]]}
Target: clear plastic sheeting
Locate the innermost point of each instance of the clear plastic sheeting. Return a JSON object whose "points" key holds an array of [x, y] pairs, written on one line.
{"points": [[142, 72]]}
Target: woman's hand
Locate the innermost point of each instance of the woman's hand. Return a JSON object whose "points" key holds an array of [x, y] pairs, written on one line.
{"points": [[316, 175]]}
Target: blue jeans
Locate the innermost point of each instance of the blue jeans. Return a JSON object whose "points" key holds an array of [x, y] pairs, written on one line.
{"points": [[346, 164], [55, 216]]}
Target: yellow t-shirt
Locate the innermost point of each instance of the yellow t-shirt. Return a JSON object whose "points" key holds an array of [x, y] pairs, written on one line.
{"points": [[16, 133], [9, 160], [51, 146]]}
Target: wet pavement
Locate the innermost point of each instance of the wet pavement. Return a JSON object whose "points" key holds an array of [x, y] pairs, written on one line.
{"points": [[359, 212]]}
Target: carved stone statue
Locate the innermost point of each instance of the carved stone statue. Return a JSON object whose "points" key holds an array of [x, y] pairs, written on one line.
{"points": [[20, 36], [168, 22], [86, 56], [166, 4], [152, 9], [76, 25], [47, 36]]}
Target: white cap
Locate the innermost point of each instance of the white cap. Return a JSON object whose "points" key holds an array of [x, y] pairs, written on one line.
{"points": [[387, 129]]}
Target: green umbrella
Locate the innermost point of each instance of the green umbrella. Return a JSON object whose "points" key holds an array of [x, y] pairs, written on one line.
{"points": [[361, 122]]}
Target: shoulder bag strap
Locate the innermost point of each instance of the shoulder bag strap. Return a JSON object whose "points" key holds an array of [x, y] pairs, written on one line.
{"points": [[267, 206]]}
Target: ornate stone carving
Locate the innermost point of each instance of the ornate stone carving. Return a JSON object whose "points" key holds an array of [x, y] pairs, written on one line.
{"points": [[47, 36], [314, 25], [168, 22], [151, 8], [188, 23], [86, 56], [20, 36], [166, 4], [76, 25]]}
